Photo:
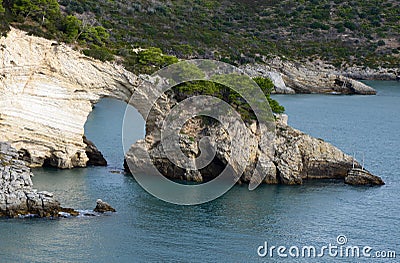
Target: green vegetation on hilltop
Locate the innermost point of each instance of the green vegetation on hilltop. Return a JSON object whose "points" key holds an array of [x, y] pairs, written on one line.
{"points": [[223, 92], [2, 10], [243, 97], [147, 60], [357, 32], [363, 32], [148, 35], [3, 20], [45, 18]]}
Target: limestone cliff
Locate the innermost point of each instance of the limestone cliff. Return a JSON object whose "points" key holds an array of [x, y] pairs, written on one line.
{"points": [[47, 91]]}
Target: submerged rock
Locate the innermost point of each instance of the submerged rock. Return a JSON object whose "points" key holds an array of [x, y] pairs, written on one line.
{"points": [[69, 211], [102, 207]]}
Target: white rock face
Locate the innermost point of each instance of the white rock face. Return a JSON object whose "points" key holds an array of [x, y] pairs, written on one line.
{"points": [[46, 93], [265, 71], [307, 78]]}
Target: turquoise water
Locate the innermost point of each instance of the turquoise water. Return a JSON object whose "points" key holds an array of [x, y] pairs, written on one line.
{"points": [[231, 228]]}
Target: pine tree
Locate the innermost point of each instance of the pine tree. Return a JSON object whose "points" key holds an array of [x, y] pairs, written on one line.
{"points": [[2, 10], [39, 10]]}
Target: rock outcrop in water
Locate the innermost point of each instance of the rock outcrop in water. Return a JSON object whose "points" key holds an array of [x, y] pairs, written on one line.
{"points": [[359, 176], [295, 156], [96, 158], [17, 196], [103, 207]]}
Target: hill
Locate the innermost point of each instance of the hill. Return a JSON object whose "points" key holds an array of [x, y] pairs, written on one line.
{"points": [[364, 33]]}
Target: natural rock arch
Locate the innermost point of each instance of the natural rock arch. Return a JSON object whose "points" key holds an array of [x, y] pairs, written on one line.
{"points": [[44, 104]]}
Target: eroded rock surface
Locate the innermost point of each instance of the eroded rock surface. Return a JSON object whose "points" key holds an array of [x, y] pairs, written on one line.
{"points": [[96, 158], [307, 78], [299, 156], [295, 156], [359, 176], [17, 196], [46, 94]]}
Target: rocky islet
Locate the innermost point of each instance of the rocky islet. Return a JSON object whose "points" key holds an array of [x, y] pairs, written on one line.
{"points": [[291, 157]]}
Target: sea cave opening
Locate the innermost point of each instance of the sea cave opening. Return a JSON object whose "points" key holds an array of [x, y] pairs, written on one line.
{"points": [[104, 127], [79, 188]]}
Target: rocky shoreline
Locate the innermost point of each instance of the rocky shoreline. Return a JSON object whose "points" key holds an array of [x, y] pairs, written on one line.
{"points": [[361, 73], [291, 77], [17, 195], [18, 198]]}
